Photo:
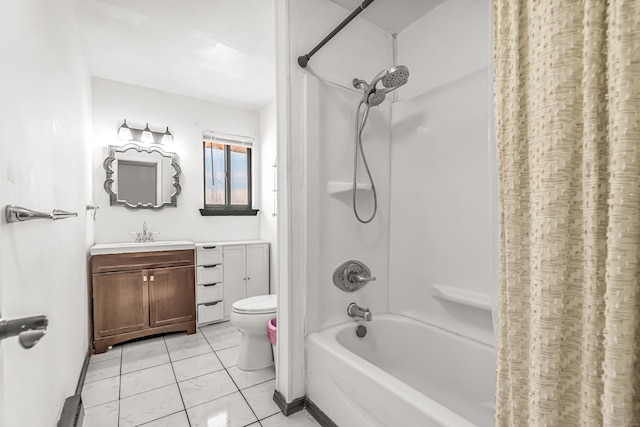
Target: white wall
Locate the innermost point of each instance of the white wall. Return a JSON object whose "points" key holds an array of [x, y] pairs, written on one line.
{"points": [[323, 230], [186, 118], [267, 154], [443, 212], [44, 164]]}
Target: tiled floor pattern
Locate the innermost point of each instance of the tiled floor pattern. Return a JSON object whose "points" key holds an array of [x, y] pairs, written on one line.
{"points": [[181, 380]]}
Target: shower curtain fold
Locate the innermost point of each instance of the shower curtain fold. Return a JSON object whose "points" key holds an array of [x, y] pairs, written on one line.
{"points": [[567, 96]]}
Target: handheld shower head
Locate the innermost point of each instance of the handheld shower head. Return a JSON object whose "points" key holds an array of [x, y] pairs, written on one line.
{"points": [[375, 98], [391, 79]]}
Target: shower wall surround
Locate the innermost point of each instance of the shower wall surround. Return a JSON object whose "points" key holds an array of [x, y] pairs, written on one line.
{"points": [[443, 210], [324, 231]]}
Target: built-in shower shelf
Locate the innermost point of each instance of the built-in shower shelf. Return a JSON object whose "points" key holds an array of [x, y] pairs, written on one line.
{"points": [[461, 296], [335, 187]]}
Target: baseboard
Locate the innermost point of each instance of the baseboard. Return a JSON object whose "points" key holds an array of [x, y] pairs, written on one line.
{"points": [[318, 415], [83, 371], [72, 412], [298, 404], [288, 408]]}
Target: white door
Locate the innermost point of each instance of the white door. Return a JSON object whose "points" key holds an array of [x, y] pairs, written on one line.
{"points": [[45, 155], [234, 274], [257, 270]]}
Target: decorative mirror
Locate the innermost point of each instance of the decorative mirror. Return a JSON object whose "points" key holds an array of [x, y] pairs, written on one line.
{"points": [[142, 177]]}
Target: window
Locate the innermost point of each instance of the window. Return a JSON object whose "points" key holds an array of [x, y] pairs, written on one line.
{"points": [[227, 175]]}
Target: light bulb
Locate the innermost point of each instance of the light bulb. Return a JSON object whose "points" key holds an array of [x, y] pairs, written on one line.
{"points": [[124, 134], [147, 136], [167, 138]]}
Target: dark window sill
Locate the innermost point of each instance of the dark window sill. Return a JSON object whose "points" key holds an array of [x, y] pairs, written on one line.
{"points": [[229, 212]]}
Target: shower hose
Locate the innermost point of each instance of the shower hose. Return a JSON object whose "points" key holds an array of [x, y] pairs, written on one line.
{"points": [[358, 146]]}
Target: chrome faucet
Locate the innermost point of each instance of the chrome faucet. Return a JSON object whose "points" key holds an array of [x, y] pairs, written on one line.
{"points": [[145, 236], [354, 310]]}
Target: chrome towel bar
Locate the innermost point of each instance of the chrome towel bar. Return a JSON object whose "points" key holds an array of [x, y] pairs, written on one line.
{"points": [[18, 214]]}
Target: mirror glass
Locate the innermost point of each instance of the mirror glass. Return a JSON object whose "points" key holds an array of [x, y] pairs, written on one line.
{"points": [[141, 177]]}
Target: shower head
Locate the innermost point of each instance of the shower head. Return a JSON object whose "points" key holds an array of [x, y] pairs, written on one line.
{"points": [[395, 77], [391, 79]]}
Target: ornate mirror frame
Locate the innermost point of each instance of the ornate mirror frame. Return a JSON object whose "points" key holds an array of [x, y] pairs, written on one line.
{"points": [[108, 183]]}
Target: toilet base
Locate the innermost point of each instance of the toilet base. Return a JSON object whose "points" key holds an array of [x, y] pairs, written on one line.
{"points": [[255, 352]]}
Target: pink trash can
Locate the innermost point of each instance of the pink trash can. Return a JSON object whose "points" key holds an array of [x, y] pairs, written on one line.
{"points": [[271, 332]]}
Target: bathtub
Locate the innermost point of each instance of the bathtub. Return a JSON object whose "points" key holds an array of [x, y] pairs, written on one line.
{"points": [[403, 373]]}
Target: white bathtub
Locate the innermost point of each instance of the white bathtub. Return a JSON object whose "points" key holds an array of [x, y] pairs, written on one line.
{"points": [[403, 373]]}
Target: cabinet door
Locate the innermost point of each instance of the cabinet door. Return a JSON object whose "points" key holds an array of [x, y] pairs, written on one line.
{"points": [[171, 295], [234, 275], [120, 303], [257, 270]]}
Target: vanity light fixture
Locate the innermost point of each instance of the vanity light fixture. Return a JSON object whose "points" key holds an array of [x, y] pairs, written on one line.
{"points": [[147, 136], [167, 138], [124, 133], [144, 136]]}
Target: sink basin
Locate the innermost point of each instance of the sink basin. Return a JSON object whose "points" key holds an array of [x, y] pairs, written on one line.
{"points": [[130, 247]]}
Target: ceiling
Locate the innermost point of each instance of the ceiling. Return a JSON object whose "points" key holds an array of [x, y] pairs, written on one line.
{"points": [[392, 15], [220, 51]]}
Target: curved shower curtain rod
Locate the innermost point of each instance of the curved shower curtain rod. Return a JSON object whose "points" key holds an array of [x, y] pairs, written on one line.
{"points": [[304, 59]]}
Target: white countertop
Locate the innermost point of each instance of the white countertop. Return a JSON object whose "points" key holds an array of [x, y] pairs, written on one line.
{"points": [[123, 248], [230, 242]]}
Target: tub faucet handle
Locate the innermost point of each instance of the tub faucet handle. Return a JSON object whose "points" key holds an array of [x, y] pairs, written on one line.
{"points": [[352, 275], [358, 278]]}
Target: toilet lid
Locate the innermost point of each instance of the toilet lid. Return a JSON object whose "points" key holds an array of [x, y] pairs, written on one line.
{"points": [[257, 305]]}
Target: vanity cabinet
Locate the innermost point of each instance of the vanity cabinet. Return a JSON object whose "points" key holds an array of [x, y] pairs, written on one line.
{"points": [[228, 272], [246, 273], [140, 294]]}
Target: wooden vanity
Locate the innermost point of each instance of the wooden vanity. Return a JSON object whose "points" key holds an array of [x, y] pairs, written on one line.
{"points": [[142, 293]]}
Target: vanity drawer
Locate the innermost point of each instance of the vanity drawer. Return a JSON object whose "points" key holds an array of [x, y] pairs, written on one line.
{"points": [[209, 293], [209, 255], [210, 312], [207, 274]]}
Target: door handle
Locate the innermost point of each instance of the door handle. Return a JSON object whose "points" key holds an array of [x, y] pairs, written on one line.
{"points": [[29, 330]]}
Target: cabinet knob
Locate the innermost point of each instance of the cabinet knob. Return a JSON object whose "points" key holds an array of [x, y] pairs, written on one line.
{"points": [[152, 278], [144, 278]]}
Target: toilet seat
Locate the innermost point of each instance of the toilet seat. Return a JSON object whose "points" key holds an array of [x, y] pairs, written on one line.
{"points": [[262, 304]]}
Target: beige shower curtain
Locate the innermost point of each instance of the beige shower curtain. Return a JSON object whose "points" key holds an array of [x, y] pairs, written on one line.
{"points": [[567, 94]]}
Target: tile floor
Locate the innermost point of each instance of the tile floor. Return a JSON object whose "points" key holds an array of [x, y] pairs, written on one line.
{"points": [[181, 380]]}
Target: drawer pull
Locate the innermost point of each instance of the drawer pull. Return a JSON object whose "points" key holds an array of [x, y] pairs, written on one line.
{"points": [[210, 266], [209, 247], [211, 284], [209, 304]]}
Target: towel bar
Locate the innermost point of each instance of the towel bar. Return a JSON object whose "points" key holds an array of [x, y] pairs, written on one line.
{"points": [[19, 214]]}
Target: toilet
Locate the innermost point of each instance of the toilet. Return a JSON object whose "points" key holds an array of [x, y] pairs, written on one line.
{"points": [[251, 316]]}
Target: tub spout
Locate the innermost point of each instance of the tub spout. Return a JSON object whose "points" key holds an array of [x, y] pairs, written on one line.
{"points": [[354, 310]]}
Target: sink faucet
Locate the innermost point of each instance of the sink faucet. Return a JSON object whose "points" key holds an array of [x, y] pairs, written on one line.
{"points": [[145, 236], [354, 310]]}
